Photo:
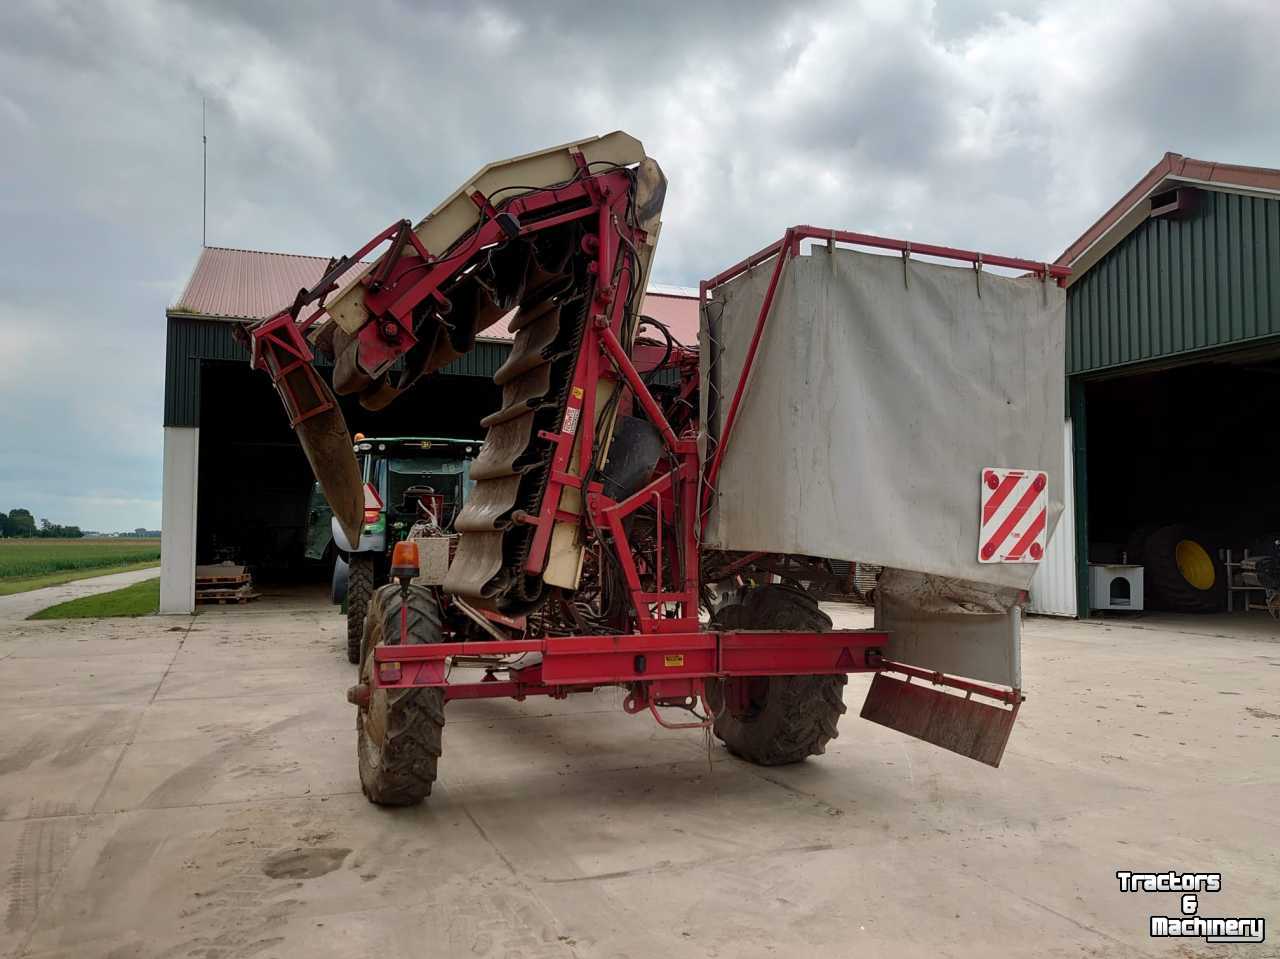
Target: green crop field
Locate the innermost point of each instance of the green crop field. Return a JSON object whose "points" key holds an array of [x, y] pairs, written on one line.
{"points": [[33, 563]]}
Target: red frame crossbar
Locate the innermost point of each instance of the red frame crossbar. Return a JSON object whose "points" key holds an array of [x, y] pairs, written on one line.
{"points": [[676, 663]]}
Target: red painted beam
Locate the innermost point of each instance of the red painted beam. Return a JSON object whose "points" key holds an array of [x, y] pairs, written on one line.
{"points": [[648, 657], [806, 232]]}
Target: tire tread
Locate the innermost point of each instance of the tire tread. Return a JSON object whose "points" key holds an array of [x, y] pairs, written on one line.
{"points": [[406, 765], [803, 711], [359, 592]]}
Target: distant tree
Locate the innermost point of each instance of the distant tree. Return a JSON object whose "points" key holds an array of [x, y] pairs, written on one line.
{"points": [[21, 523], [50, 530], [4, 524]]}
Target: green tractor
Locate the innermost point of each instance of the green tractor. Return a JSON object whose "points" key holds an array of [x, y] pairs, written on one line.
{"points": [[407, 480]]}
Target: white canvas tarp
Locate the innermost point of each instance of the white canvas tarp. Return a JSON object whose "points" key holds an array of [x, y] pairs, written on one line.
{"points": [[881, 391]]}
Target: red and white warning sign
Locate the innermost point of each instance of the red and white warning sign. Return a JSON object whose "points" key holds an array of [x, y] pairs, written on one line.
{"points": [[1015, 509]]}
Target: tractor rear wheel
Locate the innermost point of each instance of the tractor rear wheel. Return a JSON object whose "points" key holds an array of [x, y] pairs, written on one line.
{"points": [[359, 592], [399, 732], [773, 720]]}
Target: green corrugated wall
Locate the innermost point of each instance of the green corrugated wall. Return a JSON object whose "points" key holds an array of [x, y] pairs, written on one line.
{"points": [[192, 340], [1176, 286]]}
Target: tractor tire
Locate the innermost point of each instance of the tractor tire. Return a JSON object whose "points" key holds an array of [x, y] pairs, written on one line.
{"points": [[359, 592], [1136, 544], [1182, 572], [399, 733], [785, 719]]}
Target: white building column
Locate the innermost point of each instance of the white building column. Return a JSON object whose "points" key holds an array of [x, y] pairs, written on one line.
{"points": [[178, 520], [1053, 589]]}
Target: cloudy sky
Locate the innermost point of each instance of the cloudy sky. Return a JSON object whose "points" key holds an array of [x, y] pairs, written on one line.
{"points": [[1005, 125]]}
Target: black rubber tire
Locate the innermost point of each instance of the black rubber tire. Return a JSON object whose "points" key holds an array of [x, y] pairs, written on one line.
{"points": [[359, 591], [1164, 585], [1136, 545], [399, 735], [792, 717]]}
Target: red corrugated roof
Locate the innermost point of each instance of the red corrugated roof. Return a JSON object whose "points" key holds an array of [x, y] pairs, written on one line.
{"points": [[247, 284], [252, 284], [679, 311]]}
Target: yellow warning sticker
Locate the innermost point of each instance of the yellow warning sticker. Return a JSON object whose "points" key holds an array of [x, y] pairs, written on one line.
{"points": [[673, 659], [577, 392]]}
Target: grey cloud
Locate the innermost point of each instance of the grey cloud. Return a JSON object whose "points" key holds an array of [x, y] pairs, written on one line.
{"points": [[1007, 125]]}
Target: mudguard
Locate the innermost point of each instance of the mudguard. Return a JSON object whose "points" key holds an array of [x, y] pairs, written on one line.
{"points": [[368, 543], [338, 586]]}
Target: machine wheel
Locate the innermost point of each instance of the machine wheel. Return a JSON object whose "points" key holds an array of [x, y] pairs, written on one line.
{"points": [[1182, 571], [773, 720], [359, 591], [398, 735]]}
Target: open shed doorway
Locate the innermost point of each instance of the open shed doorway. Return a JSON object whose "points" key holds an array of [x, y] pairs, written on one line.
{"points": [[254, 485], [1183, 464]]}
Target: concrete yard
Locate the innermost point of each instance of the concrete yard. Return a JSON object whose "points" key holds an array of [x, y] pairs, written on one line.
{"points": [[186, 787]]}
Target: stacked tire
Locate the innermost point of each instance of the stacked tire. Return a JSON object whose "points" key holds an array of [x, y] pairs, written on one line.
{"points": [[1181, 569]]}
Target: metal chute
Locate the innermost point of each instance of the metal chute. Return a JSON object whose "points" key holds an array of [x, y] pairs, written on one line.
{"points": [[327, 443], [278, 348]]}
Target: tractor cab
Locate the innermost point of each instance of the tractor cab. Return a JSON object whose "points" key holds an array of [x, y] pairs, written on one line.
{"points": [[411, 479], [407, 480]]}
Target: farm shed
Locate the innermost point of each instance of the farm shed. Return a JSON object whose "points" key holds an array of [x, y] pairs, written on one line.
{"points": [[236, 482], [1173, 363]]}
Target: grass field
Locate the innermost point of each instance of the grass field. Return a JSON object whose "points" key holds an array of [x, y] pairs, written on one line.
{"points": [[33, 563], [140, 599]]}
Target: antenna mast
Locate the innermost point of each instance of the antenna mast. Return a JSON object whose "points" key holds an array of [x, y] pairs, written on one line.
{"points": [[204, 185]]}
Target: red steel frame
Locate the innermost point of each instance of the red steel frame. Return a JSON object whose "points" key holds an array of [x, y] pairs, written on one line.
{"points": [[671, 655]]}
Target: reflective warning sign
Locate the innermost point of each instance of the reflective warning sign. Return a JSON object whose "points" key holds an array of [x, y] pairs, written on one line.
{"points": [[1014, 511]]}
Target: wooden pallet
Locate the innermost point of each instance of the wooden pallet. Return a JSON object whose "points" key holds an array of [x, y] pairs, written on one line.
{"points": [[211, 584], [226, 599], [242, 594], [225, 573]]}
